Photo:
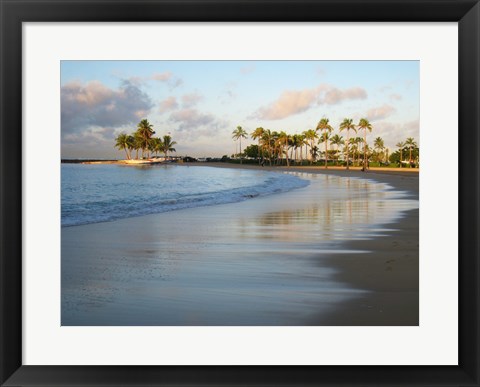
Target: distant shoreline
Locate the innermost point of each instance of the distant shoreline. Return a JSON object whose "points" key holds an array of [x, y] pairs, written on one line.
{"points": [[218, 164], [340, 171]]}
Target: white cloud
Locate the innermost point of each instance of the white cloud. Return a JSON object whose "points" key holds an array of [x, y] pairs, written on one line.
{"points": [[169, 78], [95, 105], [162, 77], [335, 95], [168, 104], [298, 101], [381, 112], [189, 119]]}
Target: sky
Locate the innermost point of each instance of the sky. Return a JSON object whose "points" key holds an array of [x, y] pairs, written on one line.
{"points": [[200, 103]]}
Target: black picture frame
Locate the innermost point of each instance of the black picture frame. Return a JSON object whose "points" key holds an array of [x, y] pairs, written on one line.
{"points": [[15, 12]]}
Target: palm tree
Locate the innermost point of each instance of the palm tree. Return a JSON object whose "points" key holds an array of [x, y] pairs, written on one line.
{"points": [[379, 145], [365, 125], [401, 145], [283, 140], [155, 145], [238, 134], [297, 142], [336, 140], [274, 146], [267, 142], [356, 141], [324, 125], [137, 143], [167, 145], [257, 134], [131, 144], [347, 124], [410, 142], [122, 142], [314, 152], [311, 135], [324, 138], [145, 132], [301, 142]]}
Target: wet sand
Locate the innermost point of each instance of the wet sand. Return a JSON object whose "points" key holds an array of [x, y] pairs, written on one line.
{"points": [[276, 260], [390, 271]]}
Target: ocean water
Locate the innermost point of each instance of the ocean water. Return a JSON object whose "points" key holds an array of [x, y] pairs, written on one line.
{"points": [[101, 193], [264, 260]]}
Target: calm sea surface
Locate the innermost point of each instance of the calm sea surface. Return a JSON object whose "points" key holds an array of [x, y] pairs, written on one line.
{"points": [[100, 193]]}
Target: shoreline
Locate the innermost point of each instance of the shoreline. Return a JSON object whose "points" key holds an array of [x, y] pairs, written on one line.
{"points": [[218, 164], [382, 175], [388, 274]]}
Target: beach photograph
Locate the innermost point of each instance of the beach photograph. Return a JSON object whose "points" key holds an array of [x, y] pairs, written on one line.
{"points": [[240, 193]]}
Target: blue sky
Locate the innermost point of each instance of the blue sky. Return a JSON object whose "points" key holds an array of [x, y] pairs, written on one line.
{"points": [[200, 103]]}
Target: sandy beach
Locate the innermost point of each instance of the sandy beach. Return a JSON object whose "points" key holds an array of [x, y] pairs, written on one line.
{"points": [[282, 259], [390, 271]]}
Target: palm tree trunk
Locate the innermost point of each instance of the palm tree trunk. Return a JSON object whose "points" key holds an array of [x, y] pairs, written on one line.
{"points": [[311, 154], [326, 152], [348, 158], [240, 150], [365, 149], [286, 151]]}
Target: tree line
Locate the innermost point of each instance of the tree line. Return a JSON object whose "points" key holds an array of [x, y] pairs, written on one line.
{"points": [[142, 140], [278, 147]]}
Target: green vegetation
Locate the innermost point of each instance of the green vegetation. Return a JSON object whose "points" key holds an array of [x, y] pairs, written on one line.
{"points": [[142, 139], [410, 147], [280, 148]]}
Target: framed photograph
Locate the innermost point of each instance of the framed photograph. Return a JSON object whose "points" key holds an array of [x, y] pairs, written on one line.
{"points": [[239, 193]]}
